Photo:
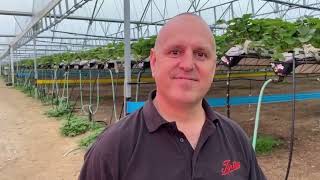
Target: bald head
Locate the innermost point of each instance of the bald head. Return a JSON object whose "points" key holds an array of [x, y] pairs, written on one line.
{"points": [[183, 22]]}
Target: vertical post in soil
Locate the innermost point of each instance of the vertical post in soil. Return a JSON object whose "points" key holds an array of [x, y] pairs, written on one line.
{"points": [[293, 116], [35, 68], [90, 115], [252, 8], [12, 66], [228, 91], [127, 59]]}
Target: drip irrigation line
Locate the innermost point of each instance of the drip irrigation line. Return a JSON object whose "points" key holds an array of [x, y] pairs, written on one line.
{"points": [[228, 91], [292, 120]]}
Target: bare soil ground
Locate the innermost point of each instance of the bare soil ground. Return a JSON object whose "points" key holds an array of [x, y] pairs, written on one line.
{"points": [[33, 148]]}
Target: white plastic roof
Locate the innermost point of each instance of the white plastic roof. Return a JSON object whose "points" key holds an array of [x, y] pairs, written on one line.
{"points": [[71, 34]]}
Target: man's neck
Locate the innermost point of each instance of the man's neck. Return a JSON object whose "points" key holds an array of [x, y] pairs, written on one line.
{"points": [[179, 112], [189, 118]]}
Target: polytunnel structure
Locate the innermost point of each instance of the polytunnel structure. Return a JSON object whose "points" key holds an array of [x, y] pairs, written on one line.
{"points": [[43, 28], [91, 58], [62, 26]]}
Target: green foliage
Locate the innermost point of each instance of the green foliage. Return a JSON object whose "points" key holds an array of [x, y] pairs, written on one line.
{"points": [[49, 100], [91, 137], [141, 48], [222, 44], [73, 126], [266, 144], [112, 51], [28, 90], [63, 108], [275, 35], [19, 87]]}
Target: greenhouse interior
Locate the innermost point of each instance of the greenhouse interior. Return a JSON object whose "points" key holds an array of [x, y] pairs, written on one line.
{"points": [[72, 71]]}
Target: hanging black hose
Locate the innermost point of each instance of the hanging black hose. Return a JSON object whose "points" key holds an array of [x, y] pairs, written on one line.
{"points": [[228, 91], [293, 118]]}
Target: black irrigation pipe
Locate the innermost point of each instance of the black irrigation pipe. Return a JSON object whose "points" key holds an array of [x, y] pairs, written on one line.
{"points": [[292, 119], [228, 91]]}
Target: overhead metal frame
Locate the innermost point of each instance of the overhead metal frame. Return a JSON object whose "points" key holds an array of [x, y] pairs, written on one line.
{"points": [[281, 8], [297, 5], [42, 22], [54, 13], [79, 18]]}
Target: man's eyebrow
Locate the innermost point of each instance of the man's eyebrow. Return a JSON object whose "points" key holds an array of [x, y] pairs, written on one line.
{"points": [[203, 48], [172, 46]]}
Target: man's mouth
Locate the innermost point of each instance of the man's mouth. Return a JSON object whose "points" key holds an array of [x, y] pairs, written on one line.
{"points": [[186, 78]]}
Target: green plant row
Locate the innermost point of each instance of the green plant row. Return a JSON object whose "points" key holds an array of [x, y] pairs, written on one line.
{"points": [[62, 108], [275, 35], [88, 140], [71, 125], [74, 126], [111, 51]]}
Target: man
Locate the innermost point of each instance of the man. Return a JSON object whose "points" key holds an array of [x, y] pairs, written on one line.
{"points": [[175, 136]]}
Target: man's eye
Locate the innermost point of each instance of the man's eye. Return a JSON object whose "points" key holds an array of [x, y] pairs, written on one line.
{"points": [[201, 55], [175, 52]]}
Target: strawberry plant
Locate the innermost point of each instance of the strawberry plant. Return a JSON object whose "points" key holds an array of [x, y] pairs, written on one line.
{"points": [[273, 35]]}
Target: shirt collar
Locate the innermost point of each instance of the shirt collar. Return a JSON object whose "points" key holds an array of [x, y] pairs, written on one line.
{"points": [[154, 120]]}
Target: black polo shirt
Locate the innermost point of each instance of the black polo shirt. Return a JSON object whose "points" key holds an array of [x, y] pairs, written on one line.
{"points": [[144, 146]]}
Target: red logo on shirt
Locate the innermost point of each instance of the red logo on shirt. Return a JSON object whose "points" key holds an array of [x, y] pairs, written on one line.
{"points": [[229, 167]]}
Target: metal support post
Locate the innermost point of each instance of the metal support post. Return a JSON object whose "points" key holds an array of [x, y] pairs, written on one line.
{"points": [[276, 10], [12, 65], [252, 7], [17, 63], [127, 52], [228, 91], [232, 10], [35, 68], [215, 15]]}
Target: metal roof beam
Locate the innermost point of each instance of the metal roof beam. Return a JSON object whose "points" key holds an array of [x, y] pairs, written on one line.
{"points": [[294, 5], [39, 45], [81, 18], [31, 49], [286, 10], [90, 35], [102, 38], [68, 43]]}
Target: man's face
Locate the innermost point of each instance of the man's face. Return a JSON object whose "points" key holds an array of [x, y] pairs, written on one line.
{"points": [[183, 63]]}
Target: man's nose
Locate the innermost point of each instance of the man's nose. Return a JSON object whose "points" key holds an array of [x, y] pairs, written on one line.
{"points": [[187, 63]]}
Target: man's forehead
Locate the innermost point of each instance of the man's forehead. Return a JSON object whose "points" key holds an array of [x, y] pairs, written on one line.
{"points": [[183, 24], [182, 42]]}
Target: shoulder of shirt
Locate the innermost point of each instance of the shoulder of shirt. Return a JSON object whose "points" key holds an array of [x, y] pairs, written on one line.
{"points": [[230, 126], [119, 134]]}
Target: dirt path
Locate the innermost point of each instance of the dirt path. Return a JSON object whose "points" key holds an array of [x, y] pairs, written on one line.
{"points": [[31, 147]]}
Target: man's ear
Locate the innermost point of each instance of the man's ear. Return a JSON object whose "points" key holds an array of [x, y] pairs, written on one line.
{"points": [[153, 60]]}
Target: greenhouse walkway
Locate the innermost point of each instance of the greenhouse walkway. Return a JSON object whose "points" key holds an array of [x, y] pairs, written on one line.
{"points": [[31, 147]]}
